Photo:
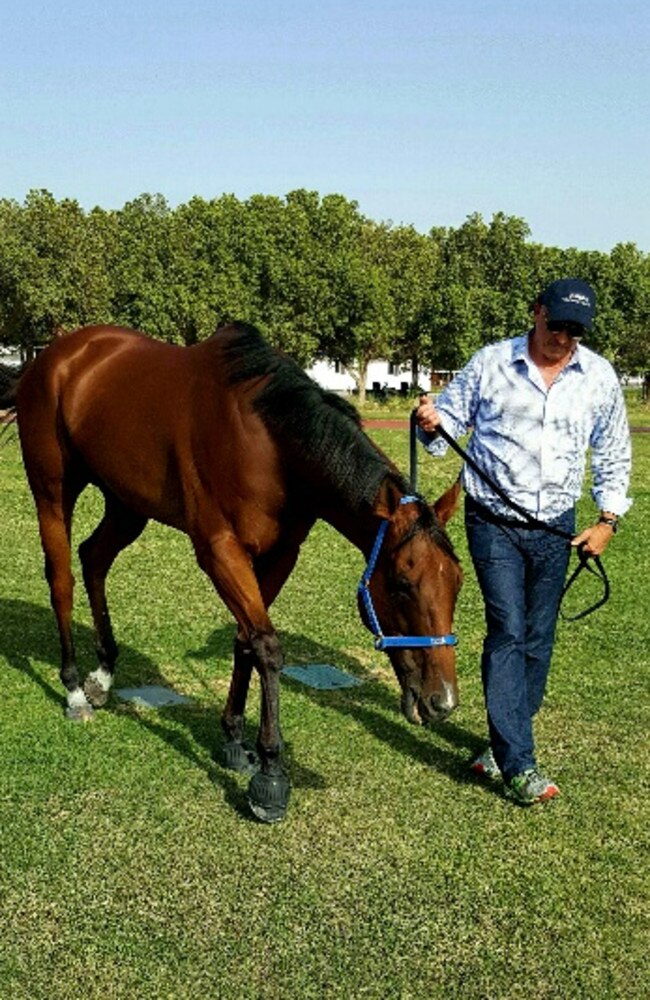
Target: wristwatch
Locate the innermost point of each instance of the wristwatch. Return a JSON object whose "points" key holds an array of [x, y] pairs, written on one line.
{"points": [[611, 521]]}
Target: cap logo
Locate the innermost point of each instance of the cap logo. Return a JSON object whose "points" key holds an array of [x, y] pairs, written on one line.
{"points": [[577, 298]]}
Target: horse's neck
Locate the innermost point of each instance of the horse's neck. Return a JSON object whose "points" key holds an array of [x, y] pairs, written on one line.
{"points": [[360, 528]]}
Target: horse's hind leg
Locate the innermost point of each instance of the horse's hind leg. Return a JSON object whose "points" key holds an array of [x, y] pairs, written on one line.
{"points": [[54, 518], [117, 529]]}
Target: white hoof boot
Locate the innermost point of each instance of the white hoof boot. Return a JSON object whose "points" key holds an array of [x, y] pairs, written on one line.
{"points": [[78, 708], [97, 687]]}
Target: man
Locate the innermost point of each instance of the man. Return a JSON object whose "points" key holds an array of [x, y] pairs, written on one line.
{"points": [[535, 404]]}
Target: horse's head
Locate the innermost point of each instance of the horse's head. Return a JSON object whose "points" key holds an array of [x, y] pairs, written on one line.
{"points": [[414, 588]]}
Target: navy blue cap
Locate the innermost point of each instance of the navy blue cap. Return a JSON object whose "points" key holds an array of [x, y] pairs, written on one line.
{"points": [[570, 300]]}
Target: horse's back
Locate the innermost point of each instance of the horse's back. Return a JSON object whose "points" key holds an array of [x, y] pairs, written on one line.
{"points": [[156, 424], [64, 383], [67, 362]]}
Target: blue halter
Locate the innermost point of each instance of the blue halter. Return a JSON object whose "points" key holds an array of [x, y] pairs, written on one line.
{"points": [[363, 590]]}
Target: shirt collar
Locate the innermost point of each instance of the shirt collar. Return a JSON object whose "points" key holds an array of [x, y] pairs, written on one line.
{"points": [[520, 352], [520, 349]]}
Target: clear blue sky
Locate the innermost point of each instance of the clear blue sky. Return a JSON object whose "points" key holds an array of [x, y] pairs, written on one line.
{"points": [[422, 111]]}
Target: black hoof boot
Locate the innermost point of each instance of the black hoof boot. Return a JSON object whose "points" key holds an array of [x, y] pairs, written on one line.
{"points": [[240, 757], [268, 796]]}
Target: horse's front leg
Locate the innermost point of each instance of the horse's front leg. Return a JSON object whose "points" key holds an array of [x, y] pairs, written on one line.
{"points": [[271, 571], [269, 788], [237, 756], [229, 567]]}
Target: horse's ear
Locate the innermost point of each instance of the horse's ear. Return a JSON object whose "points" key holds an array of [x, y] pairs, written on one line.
{"points": [[447, 504]]}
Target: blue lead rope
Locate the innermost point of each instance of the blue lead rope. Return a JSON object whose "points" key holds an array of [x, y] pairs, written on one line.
{"points": [[363, 590]]}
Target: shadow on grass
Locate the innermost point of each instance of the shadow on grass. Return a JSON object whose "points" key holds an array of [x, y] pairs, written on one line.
{"points": [[28, 632], [372, 704]]}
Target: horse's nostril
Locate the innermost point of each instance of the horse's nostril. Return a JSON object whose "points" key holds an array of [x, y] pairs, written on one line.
{"points": [[446, 702], [410, 707]]}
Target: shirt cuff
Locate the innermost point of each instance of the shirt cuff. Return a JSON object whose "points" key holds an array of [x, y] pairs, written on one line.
{"points": [[615, 503], [434, 445]]}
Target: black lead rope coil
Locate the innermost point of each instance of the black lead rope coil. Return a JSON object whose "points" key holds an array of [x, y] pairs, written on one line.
{"points": [[585, 561]]}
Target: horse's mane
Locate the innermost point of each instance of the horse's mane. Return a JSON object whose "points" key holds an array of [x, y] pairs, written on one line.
{"points": [[320, 432], [427, 521]]}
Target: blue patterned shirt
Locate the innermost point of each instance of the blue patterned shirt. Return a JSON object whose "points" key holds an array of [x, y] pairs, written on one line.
{"points": [[533, 440]]}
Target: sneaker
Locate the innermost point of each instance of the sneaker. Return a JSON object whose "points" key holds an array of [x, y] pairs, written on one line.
{"points": [[486, 766], [530, 787]]}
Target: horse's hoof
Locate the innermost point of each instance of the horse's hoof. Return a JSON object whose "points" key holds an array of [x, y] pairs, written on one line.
{"points": [[95, 693], [268, 796], [240, 757], [80, 713]]}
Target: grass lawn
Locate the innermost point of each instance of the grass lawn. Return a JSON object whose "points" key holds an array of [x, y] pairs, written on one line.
{"points": [[130, 868]]}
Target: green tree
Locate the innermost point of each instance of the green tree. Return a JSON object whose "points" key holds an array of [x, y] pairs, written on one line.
{"points": [[486, 282], [630, 299], [410, 262], [282, 256], [359, 315], [53, 271], [142, 297], [206, 286]]}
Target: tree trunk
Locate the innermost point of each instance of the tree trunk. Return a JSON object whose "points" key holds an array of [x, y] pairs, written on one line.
{"points": [[362, 378]]}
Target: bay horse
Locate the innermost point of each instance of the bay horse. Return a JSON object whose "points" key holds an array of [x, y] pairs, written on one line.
{"points": [[229, 441]]}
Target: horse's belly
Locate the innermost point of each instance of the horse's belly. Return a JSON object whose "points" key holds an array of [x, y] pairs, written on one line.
{"points": [[137, 469]]}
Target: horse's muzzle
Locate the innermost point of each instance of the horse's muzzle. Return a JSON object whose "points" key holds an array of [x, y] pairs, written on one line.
{"points": [[427, 711]]}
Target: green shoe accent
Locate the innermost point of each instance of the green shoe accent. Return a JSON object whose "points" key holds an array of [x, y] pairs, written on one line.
{"points": [[530, 787]]}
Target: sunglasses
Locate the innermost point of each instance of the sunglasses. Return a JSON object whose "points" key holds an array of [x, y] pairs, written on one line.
{"points": [[573, 330]]}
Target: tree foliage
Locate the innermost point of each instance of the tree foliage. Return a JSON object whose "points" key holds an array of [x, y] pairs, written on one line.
{"points": [[312, 272]]}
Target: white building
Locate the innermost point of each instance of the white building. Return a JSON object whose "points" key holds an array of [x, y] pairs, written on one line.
{"points": [[382, 375], [10, 356]]}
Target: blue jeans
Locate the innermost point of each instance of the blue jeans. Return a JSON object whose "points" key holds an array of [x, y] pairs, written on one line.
{"points": [[521, 574]]}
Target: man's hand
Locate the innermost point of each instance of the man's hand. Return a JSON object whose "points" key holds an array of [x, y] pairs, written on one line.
{"points": [[427, 416], [596, 539]]}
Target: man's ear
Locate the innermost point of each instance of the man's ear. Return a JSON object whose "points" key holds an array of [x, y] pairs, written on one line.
{"points": [[447, 505]]}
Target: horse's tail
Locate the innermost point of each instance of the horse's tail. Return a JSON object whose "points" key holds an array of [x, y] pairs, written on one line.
{"points": [[9, 381], [10, 377]]}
